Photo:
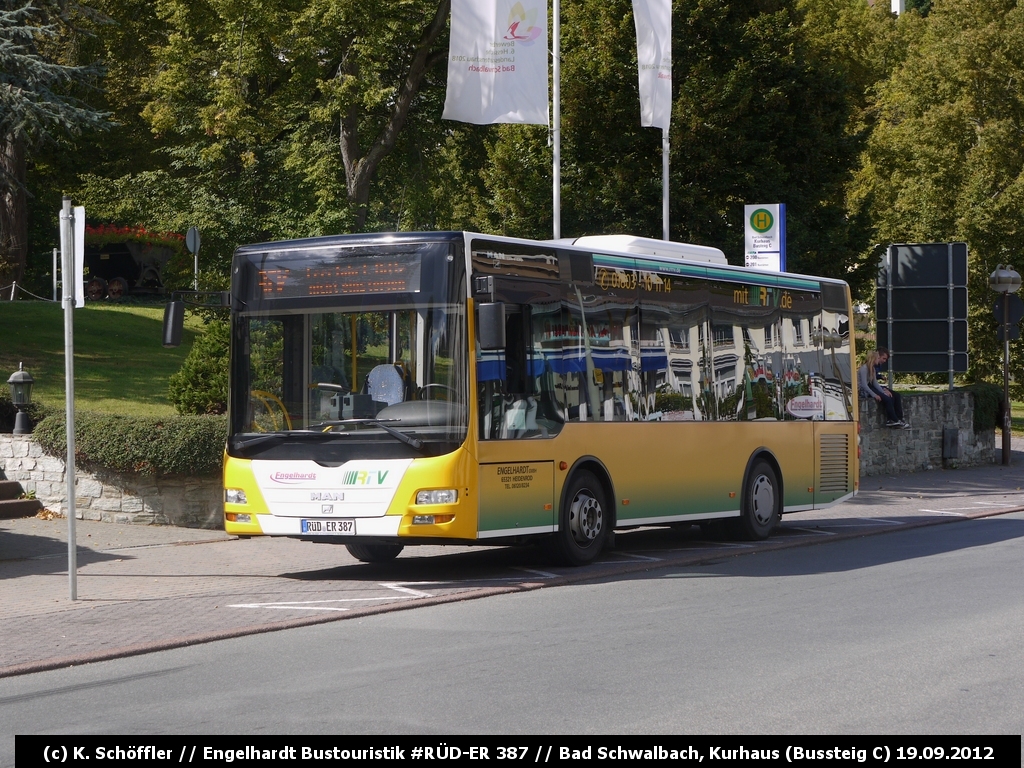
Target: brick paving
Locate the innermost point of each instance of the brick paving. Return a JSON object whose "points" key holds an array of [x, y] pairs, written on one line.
{"points": [[142, 588]]}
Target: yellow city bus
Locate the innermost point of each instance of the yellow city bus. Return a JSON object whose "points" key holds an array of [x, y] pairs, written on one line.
{"points": [[450, 387]]}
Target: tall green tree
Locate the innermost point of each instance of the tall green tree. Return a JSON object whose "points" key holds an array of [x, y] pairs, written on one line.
{"points": [[277, 119], [946, 161], [40, 100], [763, 112]]}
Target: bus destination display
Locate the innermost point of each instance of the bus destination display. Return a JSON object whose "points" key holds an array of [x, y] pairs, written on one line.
{"points": [[359, 275]]}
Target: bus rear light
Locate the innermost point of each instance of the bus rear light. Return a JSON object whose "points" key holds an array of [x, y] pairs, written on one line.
{"points": [[448, 496], [431, 519], [234, 517], [235, 496]]}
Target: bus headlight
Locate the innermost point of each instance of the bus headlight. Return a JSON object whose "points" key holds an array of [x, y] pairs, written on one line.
{"points": [[449, 496], [235, 496]]}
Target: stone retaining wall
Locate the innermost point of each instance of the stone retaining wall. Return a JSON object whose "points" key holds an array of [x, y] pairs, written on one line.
{"points": [[886, 451], [187, 502]]}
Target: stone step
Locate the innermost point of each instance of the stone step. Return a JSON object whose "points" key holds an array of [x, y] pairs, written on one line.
{"points": [[10, 489], [15, 508]]}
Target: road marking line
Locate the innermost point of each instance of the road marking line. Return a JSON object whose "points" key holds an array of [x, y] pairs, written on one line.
{"points": [[308, 605], [943, 512], [406, 590], [636, 557], [542, 574]]}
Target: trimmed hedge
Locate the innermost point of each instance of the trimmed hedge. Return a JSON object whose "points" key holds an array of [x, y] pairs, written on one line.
{"points": [[179, 445], [988, 406]]}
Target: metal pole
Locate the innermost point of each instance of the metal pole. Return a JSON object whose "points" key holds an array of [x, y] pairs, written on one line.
{"points": [[556, 121], [949, 313], [888, 320], [664, 184], [1006, 380], [67, 243]]}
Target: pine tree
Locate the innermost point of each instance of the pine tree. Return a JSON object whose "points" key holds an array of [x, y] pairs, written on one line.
{"points": [[37, 105]]}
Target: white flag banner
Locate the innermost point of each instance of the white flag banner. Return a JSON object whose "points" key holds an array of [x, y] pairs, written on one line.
{"points": [[498, 62], [654, 60]]}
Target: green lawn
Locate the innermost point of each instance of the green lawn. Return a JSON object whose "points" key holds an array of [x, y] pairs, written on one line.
{"points": [[1017, 418], [121, 365]]}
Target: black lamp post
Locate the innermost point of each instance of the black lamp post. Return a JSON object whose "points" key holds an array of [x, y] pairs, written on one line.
{"points": [[1005, 281], [21, 395]]}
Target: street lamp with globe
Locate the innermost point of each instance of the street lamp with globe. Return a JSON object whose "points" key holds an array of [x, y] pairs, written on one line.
{"points": [[21, 382]]}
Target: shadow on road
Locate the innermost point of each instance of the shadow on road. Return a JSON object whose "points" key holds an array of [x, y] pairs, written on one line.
{"points": [[657, 548], [36, 555], [868, 551]]}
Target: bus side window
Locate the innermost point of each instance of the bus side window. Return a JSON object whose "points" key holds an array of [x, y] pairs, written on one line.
{"points": [[517, 354]]}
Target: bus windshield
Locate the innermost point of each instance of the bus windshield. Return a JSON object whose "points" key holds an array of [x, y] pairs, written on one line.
{"points": [[343, 351]]}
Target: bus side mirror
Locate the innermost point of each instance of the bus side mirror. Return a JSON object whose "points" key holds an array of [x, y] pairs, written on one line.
{"points": [[490, 328], [174, 320]]}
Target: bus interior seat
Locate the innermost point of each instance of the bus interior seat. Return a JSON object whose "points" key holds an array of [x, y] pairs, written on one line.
{"points": [[385, 384], [519, 418]]}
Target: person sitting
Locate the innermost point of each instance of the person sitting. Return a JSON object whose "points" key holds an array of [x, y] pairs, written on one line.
{"points": [[868, 386]]}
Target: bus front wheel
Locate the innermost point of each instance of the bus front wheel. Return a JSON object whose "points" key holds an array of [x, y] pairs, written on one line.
{"points": [[762, 503], [374, 553], [583, 521]]}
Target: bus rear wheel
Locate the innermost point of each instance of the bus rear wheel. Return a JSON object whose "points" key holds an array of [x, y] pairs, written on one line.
{"points": [[583, 521], [374, 553], [762, 503]]}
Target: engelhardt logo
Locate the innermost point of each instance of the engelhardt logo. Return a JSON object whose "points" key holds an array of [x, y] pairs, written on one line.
{"points": [[292, 477]]}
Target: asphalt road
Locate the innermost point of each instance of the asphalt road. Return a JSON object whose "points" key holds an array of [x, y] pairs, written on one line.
{"points": [[914, 631]]}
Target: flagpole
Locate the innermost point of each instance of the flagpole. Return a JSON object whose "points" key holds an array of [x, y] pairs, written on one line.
{"points": [[556, 122], [664, 184]]}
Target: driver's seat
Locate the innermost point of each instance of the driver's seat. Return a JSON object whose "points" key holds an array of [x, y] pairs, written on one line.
{"points": [[385, 384]]}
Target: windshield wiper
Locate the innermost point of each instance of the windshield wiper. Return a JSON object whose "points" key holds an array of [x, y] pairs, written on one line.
{"points": [[249, 442], [407, 439]]}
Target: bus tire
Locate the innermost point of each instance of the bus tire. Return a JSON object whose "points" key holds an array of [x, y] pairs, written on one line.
{"points": [[762, 503], [374, 553], [583, 521]]}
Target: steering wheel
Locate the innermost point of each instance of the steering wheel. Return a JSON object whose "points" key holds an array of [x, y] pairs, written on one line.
{"points": [[450, 391]]}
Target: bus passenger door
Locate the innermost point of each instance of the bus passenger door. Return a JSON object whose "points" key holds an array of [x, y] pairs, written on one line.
{"points": [[516, 498]]}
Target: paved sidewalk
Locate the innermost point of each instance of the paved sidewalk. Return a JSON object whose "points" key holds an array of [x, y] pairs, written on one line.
{"points": [[143, 588]]}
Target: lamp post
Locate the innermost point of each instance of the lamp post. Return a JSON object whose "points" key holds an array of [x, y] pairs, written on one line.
{"points": [[1005, 281], [21, 382]]}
